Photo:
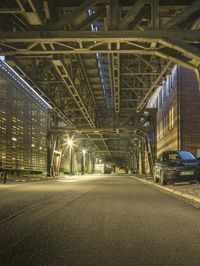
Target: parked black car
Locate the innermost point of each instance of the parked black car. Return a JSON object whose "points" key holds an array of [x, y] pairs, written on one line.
{"points": [[175, 166]]}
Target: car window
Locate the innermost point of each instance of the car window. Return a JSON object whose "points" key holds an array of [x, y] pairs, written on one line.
{"points": [[171, 156], [174, 156], [185, 155]]}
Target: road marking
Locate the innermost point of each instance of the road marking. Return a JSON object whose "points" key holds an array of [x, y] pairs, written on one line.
{"points": [[182, 194]]}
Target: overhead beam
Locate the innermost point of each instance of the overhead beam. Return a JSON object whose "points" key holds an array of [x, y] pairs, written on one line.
{"points": [[50, 10], [10, 11], [107, 130], [116, 81], [33, 85], [64, 74], [32, 11], [69, 18], [188, 50], [80, 60], [153, 87], [114, 14], [155, 18], [132, 13], [87, 22], [193, 8], [146, 36]]}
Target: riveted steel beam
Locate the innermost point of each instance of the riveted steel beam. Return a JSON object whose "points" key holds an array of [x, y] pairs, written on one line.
{"points": [[116, 81], [32, 11], [67, 79], [108, 36], [153, 87], [67, 19], [132, 13], [194, 7]]}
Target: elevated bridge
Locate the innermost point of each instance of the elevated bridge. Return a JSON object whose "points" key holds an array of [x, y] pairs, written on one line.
{"points": [[98, 62]]}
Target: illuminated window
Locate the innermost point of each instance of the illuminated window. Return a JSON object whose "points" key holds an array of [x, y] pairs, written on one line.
{"points": [[171, 118], [172, 115]]}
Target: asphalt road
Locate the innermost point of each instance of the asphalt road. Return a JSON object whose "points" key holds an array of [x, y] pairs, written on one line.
{"points": [[108, 220]]}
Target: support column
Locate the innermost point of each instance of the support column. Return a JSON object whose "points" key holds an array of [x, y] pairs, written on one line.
{"points": [[82, 164], [142, 151], [89, 163], [93, 163], [70, 160], [149, 153], [51, 144]]}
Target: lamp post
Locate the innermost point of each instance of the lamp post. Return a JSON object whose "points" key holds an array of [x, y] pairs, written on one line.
{"points": [[83, 161], [70, 143]]}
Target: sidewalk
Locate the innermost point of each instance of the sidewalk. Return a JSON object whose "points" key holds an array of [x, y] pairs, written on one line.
{"points": [[32, 178], [24, 179], [184, 189]]}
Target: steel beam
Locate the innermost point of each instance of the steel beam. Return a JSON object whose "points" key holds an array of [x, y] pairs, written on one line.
{"points": [[153, 87], [64, 74], [122, 130], [132, 13], [146, 36], [87, 22], [32, 11], [155, 17], [67, 19], [116, 81], [193, 8], [41, 93]]}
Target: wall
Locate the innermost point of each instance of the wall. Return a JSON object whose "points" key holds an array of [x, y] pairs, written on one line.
{"points": [[190, 115], [165, 100], [23, 124], [178, 116]]}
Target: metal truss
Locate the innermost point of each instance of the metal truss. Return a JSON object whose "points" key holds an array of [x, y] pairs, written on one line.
{"points": [[53, 47], [73, 89], [116, 81]]}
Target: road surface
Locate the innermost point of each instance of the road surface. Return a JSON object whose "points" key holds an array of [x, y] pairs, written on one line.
{"points": [[102, 220]]}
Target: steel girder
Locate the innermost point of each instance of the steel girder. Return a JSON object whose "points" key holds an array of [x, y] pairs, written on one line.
{"points": [[52, 45]]}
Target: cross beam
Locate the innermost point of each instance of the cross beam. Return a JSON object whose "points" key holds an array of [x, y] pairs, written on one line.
{"points": [[108, 36]]}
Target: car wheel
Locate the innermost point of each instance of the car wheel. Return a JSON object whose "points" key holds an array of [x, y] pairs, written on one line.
{"points": [[162, 178], [155, 179]]}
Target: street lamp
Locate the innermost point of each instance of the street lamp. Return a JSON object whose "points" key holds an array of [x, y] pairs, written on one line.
{"points": [[70, 144], [83, 162]]}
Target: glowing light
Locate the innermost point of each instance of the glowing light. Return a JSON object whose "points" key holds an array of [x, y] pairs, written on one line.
{"points": [[84, 151], [70, 141], [14, 139]]}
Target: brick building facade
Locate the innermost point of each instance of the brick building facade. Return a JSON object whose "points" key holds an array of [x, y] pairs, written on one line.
{"points": [[178, 118]]}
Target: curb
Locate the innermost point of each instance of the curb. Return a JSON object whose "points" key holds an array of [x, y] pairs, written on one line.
{"points": [[182, 194]]}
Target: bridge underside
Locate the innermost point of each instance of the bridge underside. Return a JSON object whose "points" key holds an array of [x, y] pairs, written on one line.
{"points": [[98, 62]]}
